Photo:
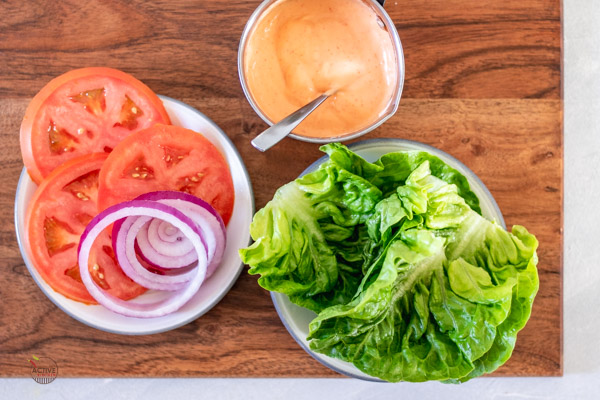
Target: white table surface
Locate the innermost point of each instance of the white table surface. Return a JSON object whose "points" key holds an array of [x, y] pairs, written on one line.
{"points": [[581, 281]]}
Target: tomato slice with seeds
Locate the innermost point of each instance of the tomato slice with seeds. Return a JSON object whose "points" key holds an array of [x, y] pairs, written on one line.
{"points": [[166, 157], [62, 206], [84, 111]]}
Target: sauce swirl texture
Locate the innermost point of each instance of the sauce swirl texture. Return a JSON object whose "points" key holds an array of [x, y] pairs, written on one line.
{"points": [[300, 49]]}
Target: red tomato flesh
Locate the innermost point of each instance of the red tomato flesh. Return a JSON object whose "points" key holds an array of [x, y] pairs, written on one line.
{"points": [[166, 157], [84, 111], [62, 206]]}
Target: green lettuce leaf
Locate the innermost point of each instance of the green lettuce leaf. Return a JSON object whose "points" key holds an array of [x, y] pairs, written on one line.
{"points": [[408, 280], [397, 166], [427, 317], [307, 242]]}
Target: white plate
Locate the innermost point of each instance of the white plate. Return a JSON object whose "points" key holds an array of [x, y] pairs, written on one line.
{"points": [[296, 319], [211, 291]]}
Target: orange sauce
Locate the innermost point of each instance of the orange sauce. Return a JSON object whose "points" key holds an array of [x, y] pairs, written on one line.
{"points": [[300, 49]]}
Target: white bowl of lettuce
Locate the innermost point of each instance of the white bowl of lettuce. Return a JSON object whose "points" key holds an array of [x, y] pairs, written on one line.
{"points": [[389, 260]]}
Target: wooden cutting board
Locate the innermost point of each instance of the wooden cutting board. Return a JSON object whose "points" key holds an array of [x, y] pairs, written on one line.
{"points": [[483, 83]]}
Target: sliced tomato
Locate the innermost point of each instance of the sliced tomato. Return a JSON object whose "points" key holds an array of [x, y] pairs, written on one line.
{"points": [[167, 157], [84, 111], [62, 206]]}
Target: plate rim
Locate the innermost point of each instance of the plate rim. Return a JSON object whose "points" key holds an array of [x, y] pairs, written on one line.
{"points": [[314, 355], [366, 144], [179, 324]]}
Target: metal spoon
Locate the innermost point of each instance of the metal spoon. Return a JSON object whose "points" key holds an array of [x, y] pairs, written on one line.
{"points": [[277, 132]]}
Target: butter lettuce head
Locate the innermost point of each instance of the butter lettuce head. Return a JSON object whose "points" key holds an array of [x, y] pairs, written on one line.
{"points": [[408, 280]]}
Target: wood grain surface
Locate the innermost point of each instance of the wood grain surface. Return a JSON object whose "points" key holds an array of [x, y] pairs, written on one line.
{"points": [[483, 83]]}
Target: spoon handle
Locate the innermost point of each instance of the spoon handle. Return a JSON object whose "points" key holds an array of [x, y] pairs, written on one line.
{"points": [[274, 134]]}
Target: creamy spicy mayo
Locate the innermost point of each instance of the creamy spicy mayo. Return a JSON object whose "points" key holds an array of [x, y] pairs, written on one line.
{"points": [[300, 49]]}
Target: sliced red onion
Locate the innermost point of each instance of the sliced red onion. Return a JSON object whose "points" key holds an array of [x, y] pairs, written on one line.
{"points": [[150, 266], [159, 254], [124, 246], [166, 239], [205, 216], [150, 209]]}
